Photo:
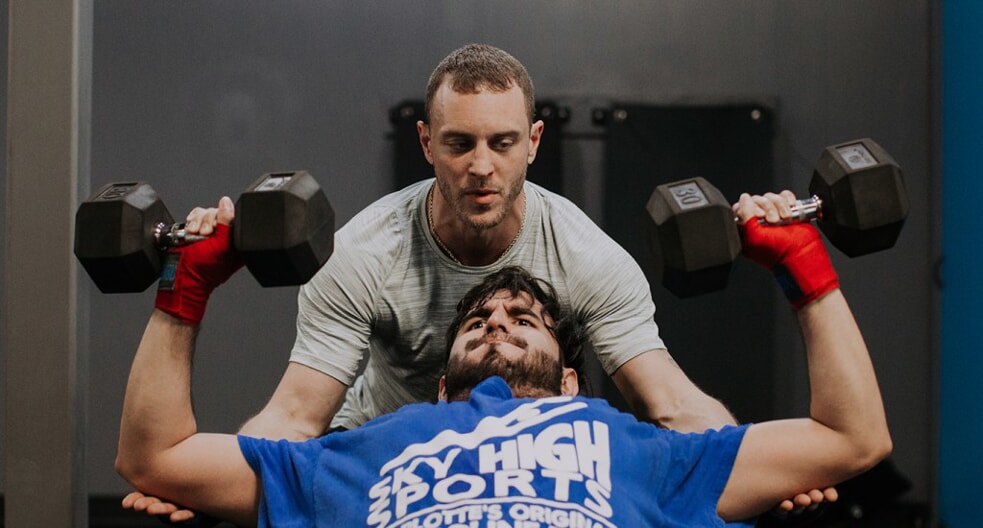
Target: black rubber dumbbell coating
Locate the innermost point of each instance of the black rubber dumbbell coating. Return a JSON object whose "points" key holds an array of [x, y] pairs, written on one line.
{"points": [[693, 225], [865, 203], [283, 231], [114, 236], [284, 228]]}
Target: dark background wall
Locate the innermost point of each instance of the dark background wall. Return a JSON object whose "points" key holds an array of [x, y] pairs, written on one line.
{"points": [[201, 98]]}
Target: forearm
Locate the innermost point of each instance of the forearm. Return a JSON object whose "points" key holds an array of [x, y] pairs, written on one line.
{"points": [[700, 414], [301, 407], [658, 391], [273, 425], [844, 392], [157, 410], [845, 434]]}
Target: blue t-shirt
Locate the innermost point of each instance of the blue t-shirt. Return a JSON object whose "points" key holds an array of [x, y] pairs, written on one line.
{"points": [[494, 462]]}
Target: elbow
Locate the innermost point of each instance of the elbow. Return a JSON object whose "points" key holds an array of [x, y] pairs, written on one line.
{"points": [[127, 468], [873, 450], [134, 470], [882, 449]]}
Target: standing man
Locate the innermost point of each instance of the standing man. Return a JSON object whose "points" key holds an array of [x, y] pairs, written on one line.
{"points": [[400, 265]]}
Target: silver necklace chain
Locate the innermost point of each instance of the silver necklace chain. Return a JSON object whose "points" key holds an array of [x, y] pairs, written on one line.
{"points": [[445, 249]]}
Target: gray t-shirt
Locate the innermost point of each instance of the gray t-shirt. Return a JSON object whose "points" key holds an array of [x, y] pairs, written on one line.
{"points": [[389, 290]]}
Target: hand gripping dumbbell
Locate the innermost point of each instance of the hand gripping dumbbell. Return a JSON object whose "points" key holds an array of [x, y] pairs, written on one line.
{"points": [[858, 200], [283, 231]]}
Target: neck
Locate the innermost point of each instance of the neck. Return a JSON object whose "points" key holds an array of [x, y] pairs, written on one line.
{"points": [[470, 245]]}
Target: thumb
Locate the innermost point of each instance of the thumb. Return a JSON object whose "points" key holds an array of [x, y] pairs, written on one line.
{"points": [[226, 211]]}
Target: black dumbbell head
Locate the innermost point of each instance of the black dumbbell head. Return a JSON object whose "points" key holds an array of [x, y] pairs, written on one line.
{"points": [[864, 199], [114, 236], [284, 228], [692, 226]]}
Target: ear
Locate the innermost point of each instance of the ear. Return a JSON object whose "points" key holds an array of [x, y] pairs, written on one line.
{"points": [[569, 383], [423, 130], [441, 391], [535, 134]]}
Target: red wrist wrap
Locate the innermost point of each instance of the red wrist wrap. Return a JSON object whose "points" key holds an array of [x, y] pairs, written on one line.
{"points": [[191, 272], [796, 256]]}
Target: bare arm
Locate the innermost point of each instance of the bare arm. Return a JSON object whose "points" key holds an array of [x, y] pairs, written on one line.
{"points": [[160, 451], [659, 391], [301, 407], [846, 432], [845, 435], [305, 399]]}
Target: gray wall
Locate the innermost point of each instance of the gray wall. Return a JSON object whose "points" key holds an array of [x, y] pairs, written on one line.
{"points": [[201, 98]]}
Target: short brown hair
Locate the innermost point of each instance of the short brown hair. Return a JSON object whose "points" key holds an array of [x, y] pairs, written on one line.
{"points": [[478, 66]]}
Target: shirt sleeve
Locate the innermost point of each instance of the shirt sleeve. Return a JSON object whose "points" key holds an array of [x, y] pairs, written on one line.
{"points": [[607, 288], [286, 471], [336, 308], [699, 467]]}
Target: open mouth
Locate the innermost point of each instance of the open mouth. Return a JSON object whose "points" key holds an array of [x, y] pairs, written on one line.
{"points": [[482, 196]]}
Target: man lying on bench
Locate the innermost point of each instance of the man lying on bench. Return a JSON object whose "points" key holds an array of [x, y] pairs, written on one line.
{"points": [[510, 443]]}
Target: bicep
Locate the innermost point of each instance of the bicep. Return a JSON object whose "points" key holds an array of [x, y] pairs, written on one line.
{"points": [[777, 460], [208, 473]]}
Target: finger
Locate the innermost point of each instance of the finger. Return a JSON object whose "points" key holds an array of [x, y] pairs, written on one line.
{"points": [[789, 197], [764, 208], [201, 221], [777, 209], [802, 501], [226, 211], [181, 516], [144, 502], [161, 508], [747, 208], [785, 506], [831, 494], [130, 498], [816, 496]]}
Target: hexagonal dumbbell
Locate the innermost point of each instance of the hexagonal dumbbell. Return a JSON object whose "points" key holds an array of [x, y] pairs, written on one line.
{"points": [[283, 230], [858, 199]]}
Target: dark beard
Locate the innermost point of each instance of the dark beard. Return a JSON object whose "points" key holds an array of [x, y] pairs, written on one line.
{"points": [[534, 375], [512, 194]]}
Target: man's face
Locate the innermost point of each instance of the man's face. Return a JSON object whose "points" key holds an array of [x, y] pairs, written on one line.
{"points": [[509, 337], [480, 146]]}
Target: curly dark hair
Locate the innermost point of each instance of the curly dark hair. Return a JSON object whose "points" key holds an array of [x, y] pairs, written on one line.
{"points": [[567, 329]]}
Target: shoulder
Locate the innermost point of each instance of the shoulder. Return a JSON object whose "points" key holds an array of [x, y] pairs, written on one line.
{"points": [[565, 222], [379, 233], [555, 205], [367, 249], [393, 214]]}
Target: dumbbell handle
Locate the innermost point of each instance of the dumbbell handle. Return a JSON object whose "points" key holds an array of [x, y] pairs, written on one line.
{"points": [[803, 210], [173, 235], [806, 209]]}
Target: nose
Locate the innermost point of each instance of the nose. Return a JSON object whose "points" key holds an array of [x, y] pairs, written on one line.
{"points": [[481, 161], [498, 321]]}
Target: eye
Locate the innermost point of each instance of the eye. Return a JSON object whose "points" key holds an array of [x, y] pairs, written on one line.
{"points": [[504, 144], [478, 323], [523, 322], [459, 146]]}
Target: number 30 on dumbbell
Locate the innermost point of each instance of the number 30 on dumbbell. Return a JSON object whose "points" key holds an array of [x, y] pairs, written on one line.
{"points": [[858, 200], [283, 230]]}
